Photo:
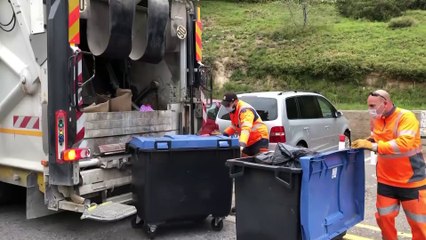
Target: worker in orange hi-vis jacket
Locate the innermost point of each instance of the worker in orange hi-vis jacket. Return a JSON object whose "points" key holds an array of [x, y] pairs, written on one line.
{"points": [[246, 122], [400, 165]]}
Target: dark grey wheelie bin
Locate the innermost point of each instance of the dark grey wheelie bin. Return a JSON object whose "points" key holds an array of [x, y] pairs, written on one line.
{"points": [[319, 201], [266, 199], [181, 178]]}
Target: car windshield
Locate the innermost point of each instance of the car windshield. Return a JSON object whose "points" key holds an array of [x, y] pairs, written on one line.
{"points": [[266, 107]]}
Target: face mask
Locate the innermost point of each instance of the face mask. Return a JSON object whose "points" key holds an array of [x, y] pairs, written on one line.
{"points": [[373, 112], [230, 109]]}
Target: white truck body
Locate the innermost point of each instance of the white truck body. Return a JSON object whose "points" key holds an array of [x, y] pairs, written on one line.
{"points": [[43, 74]]}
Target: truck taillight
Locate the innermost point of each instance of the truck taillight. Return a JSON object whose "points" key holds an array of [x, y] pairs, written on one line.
{"points": [[277, 134], [75, 154], [61, 133]]}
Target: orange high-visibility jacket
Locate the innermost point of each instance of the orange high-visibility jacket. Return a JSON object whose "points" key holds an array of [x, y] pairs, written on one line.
{"points": [[400, 161], [247, 123]]}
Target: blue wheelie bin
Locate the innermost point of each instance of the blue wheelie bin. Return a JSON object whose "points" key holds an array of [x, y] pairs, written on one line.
{"points": [[320, 200], [181, 178]]}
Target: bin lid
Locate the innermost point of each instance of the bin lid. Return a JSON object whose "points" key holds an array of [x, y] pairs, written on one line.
{"points": [[183, 142], [332, 193]]}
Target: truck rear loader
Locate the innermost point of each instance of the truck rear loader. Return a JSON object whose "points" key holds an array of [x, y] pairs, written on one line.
{"points": [[78, 80]]}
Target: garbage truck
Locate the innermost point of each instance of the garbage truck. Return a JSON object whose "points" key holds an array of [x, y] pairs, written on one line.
{"points": [[79, 78]]}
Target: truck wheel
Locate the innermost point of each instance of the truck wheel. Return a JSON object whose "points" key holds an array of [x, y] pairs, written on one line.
{"points": [[217, 225]]}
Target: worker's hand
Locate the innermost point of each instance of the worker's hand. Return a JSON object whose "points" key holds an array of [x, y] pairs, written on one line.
{"points": [[362, 143]]}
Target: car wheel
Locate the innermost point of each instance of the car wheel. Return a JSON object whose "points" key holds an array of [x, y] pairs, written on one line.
{"points": [[302, 144]]}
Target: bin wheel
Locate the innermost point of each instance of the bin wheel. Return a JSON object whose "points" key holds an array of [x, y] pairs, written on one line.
{"points": [[136, 222], [217, 224], [150, 231]]}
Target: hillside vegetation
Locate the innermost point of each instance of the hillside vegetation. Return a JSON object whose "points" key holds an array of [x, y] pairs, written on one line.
{"points": [[264, 46]]}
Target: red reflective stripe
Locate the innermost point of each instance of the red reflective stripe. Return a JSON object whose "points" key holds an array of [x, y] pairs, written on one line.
{"points": [[37, 124], [25, 122], [74, 16], [76, 38]]}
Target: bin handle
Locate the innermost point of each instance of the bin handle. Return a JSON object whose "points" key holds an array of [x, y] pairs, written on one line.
{"points": [[223, 143], [162, 145], [288, 184]]}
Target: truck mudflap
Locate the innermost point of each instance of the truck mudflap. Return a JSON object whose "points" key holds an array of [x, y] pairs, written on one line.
{"points": [[108, 211]]}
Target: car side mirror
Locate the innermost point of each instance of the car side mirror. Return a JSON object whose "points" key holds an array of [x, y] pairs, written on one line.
{"points": [[338, 114]]}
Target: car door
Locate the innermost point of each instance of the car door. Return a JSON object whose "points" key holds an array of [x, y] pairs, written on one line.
{"points": [[331, 126], [310, 113], [296, 129]]}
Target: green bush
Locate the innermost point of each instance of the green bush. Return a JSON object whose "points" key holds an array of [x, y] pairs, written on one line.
{"points": [[418, 4], [374, 10], [401, 22]]}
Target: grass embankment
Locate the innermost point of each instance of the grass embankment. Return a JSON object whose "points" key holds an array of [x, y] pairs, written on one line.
{"points": [[264, 46]]}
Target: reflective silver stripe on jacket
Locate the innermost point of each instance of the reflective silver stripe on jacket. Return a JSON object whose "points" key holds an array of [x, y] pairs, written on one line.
{"points": [[406, 154], [257, 125], [387, 210], [395, 128], [394, 146], [410, 133]]}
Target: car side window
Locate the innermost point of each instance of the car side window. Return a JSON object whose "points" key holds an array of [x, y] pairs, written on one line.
{"points": [[326, 108], [291, 108], [309, 107], [223, 114], [212, 111]]}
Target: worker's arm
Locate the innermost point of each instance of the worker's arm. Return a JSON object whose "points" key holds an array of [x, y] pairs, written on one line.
{"points": [[408, 127], [246, 120], [229, 131]]}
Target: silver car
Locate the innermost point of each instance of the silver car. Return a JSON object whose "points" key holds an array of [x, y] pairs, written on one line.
{"points": [[297, 118]]}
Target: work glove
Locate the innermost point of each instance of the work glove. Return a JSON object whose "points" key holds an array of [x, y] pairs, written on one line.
{"points": [[215, 133], [362, 143]]}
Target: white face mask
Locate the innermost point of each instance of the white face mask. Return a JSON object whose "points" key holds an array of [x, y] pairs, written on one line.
{"points": [[373, 112], [229, 109]]}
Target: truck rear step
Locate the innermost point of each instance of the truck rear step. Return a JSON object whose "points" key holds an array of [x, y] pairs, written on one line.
{"points": [[108, 211]]}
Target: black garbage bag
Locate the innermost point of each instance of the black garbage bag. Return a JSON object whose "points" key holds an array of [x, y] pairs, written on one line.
{"points": [[284, 155]]}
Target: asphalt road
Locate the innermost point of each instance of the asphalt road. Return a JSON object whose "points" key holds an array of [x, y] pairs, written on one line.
{"points": [[66, 225]]}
